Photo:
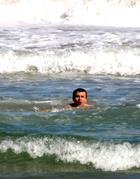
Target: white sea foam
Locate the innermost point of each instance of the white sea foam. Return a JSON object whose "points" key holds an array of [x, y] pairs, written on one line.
{"points": [[138, 105], [94, 12], [107, 156], [96, 63]]}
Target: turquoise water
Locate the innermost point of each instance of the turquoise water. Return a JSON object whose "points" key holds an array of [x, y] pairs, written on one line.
{"points": [[43, 58], [100, 142]]}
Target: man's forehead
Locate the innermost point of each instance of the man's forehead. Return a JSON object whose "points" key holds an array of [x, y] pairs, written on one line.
{"points": [[81, 92]]}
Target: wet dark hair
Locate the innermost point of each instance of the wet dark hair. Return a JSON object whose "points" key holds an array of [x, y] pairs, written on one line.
{"points": [[79, 90]]}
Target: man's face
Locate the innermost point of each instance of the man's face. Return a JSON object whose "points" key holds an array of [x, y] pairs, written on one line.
{"points": [[80, 98]]}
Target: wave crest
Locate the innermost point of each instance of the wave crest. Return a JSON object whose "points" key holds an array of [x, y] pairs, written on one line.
{"points": [[107, 156], [124, 64]]}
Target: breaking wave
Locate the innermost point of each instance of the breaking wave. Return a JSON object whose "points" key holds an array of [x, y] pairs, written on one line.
{"points": [[108, 156], [124, 64]]}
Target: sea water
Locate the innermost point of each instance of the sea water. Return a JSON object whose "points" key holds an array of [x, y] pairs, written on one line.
{"points": [[47, 50]]}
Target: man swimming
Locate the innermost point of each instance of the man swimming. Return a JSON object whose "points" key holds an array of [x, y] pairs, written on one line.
{"points": [[79, 98]]}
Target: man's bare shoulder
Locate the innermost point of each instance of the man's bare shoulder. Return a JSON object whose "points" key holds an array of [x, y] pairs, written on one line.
{"points": [[89, 105]]}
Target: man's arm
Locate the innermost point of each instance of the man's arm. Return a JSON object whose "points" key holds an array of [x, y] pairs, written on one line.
{"points": [[45, 110]]}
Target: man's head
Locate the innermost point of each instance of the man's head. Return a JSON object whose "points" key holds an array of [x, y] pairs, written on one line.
{"points": [[79, 97]]}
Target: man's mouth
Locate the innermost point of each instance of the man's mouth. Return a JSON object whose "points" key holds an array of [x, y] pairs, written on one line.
{"points": [[79, 103]]}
